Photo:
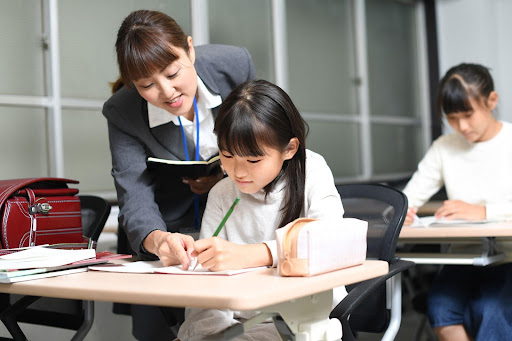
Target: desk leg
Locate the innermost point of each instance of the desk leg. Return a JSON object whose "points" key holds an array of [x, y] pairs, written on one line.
{"points": [[308, 317]]}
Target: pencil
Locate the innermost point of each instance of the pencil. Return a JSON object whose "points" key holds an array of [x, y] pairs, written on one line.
{"points": [[221, 225], [223, 222]]}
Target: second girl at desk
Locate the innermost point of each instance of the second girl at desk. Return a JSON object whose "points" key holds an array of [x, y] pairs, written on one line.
{"points": [[475, 165]]}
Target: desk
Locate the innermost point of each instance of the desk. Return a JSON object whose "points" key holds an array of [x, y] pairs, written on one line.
{"points": [[303, 302], [483, 233]]}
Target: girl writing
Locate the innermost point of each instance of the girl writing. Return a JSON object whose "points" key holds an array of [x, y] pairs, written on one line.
{"points": [[474, 164], [261, 138]]}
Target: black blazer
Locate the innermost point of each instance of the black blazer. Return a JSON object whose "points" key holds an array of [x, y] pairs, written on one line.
{"points": [[148, 201]]}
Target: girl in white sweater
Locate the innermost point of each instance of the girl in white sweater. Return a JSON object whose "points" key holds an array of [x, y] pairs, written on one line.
{"points": [[475, 166], [261, 137]]}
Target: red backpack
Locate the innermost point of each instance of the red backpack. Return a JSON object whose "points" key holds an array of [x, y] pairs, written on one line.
{"points": [[37, 211]]}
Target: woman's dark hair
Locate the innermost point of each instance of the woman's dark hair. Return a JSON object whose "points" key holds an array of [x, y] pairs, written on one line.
{"points": [[461, 83], [259, 114], [146, 43]]}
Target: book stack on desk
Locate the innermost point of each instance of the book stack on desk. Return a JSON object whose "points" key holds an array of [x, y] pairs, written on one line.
{"points": [[41, 262]]}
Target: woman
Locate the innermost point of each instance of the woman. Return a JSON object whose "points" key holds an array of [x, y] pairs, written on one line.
{"points": [[164, 106]]}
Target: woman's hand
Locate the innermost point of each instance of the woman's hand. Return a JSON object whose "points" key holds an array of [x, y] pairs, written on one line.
{"points": [[411, 216], [458, 209], [203, 184], [171, 248], [217, 254]]}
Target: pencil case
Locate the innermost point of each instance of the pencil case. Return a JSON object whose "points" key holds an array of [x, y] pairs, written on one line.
{"points": [[308, 247]]}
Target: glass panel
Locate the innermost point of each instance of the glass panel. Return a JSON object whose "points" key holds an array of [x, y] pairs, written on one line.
{"points": [[87, 32], [321, 56], [401, 150], [86, 150], [246, 23], [392, 58], [21, 60], [24, 153], [338, 143]]}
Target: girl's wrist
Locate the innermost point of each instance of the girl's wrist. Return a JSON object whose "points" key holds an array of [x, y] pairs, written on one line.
{"points": [[256, 255]]}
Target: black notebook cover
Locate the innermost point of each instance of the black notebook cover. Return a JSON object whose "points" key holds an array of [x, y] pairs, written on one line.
{"points": [[184, 169]]}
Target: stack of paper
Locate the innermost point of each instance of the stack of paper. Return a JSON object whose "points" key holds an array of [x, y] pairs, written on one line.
{"points": [[42, 257], [40, 262]]}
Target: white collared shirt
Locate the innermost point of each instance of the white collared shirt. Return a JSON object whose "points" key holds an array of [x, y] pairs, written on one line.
{"points": [[205, 102]]}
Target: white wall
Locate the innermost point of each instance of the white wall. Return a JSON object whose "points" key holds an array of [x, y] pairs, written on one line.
{"points": [[478, 31]]}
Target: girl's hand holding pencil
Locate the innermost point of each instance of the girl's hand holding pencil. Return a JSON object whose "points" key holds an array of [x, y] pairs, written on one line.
{"points": [[222, 223], [217, 254]]}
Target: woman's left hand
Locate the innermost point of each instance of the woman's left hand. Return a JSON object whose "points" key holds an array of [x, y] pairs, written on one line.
{"points": [[458, 209], [203, 184], [217, 254]]}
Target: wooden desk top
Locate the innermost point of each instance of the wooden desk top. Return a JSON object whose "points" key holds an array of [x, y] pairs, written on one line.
{"points": [[501, 229], [249, 291]]}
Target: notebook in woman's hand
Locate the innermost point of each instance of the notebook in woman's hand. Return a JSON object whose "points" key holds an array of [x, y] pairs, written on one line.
{"points": [[184, 169]]}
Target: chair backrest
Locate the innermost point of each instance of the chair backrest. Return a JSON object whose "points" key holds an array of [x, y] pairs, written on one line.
{"points": [[385, 209], [95, 212]]}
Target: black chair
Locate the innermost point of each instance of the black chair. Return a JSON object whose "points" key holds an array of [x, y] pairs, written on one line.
{"points": [[54, 312], [365, 308], [368, 307]]}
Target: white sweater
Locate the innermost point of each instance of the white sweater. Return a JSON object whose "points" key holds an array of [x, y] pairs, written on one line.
{"points": [[477, 173]]}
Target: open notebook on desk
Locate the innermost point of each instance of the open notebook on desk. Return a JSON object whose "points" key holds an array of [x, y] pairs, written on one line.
{"points": [[156, 267], [432, 221]]}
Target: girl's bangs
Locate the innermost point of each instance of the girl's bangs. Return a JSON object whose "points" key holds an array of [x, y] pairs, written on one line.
{"points": [[245, 136], [455, 97]]}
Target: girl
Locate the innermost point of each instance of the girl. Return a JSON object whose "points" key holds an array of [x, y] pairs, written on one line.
{"points": [[261, 138], [164, 106], [475, 165]]}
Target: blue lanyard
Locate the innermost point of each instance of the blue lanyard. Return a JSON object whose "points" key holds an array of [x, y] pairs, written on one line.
{"points": [[197, 134], [196, 197]]}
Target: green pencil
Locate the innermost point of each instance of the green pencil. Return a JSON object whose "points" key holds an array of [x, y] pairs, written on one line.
{"points": [[217, 231], [223, 222]]}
